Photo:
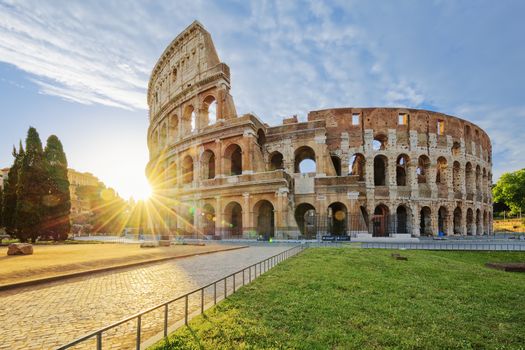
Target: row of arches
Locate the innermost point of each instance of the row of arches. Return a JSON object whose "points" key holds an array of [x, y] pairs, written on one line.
{"points": [[175, 127]]}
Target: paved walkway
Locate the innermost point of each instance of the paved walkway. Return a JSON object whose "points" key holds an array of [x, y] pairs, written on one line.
{"points": [[45, 317]]}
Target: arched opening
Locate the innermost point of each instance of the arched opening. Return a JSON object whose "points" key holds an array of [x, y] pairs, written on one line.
{"points": [[306, 219], [380, 166], [479, 227], [441, 171], [261, 138], [485, 223], [379, 143], [304, 160], [442, 221], [380, 224], [264, 219], [456, 177], [457, 221], [470, 222], [468, 139], [208, 165], [188, 120], [187, 170], [422, 171], [208, 217], [209, 106], [163, 135], [403, 222], [456, 149], [425, 222], [173, 126], [336, 161], [357, 166], [401, 170], [276, 161], [469, 180], [233, 159], [233, 217], [337, 219], [478, 179]]}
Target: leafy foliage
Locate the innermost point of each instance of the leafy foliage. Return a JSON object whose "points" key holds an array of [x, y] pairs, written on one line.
{"points": [[510, 190]]}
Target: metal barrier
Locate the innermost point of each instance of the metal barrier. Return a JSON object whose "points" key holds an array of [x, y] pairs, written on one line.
{"points": [[248, 275], [447, 246]]}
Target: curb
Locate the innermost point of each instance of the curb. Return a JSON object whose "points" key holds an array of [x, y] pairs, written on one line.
{"points": [[38, 281]]}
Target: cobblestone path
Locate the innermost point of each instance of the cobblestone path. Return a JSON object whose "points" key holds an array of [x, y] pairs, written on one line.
{"points": [[47, 316]]}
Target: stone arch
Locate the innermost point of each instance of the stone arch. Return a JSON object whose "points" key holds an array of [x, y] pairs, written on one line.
{"points": [[188, 120], [163, 135], [402, 170], [187, 169], [479, 223], [423, 169], [443, 220], [233, 219], [469, 179], [456, 149], [441, 171], [208, 219], [302, 155], [337, 219], [264, 219], [207, 165], [380, 170], [380, 221], [209, 110], [173, 126], [425, 221], [456, 177], [357, 166], [403, 222], [457, 221], [478, 179], [470, 222], [485, 223], [380, 142], [306, 219], [276, 161], [233, 159], [261, 138], [336, 161]]}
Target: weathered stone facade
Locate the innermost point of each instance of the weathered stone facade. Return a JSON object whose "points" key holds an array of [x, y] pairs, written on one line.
{"points": [[378, 171]]}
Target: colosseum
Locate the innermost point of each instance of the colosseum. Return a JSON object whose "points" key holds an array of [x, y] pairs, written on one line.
{"points": [[344, 172]]}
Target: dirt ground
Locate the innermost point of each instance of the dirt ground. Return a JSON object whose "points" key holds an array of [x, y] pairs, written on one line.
{"points": [[54, 260]]}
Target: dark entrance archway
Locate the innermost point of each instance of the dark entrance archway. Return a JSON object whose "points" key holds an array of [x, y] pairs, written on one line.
{"points": [[233, 216], [425, 223], [306, 219], [338, 218], [208, 217], [380, 221], [264, 219]]}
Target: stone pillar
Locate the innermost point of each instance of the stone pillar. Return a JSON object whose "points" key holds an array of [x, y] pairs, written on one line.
{"points": [[218, 159], [320, 155], [247, 215], [249, 139], [219, 217]]}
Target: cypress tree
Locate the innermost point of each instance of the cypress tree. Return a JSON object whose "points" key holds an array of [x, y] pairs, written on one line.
{"points": [[57, 199], [30, 190], [9, 196]]}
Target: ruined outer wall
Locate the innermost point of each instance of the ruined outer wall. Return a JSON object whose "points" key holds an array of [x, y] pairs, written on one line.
{"points": [[194, 164]]}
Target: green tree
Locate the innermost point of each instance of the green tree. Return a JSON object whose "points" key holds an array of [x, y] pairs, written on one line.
{"points": [[30, 189], [510, 190], [57, 199], [9, 199]]}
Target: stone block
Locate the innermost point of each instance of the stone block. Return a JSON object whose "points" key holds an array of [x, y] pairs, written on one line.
{"points": [[20, 249]]}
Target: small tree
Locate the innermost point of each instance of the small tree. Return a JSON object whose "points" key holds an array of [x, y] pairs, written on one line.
{"points": [[510, 189], [57, 199], [9, 199], [30, 189]]}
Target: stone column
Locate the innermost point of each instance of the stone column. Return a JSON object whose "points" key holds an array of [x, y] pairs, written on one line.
{"points": [[247, 215], [219, 217]]}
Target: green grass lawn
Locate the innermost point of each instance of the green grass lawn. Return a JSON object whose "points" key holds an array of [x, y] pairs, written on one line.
{"points": [[329, 298]]}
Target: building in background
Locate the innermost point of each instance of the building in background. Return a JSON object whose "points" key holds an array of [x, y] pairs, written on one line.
{"points": [[77, 179], [3, 176]]}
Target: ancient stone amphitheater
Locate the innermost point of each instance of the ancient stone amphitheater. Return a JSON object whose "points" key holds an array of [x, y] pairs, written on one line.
{"points": [[362, 172]]}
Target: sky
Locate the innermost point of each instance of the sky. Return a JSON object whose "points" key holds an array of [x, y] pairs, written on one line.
{"points": [[80, 69]]}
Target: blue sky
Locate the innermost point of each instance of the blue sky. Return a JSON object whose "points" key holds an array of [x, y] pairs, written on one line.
{"points": [[79, 69]]}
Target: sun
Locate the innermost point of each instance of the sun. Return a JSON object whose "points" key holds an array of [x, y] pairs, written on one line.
{"points": [[143, 192]]}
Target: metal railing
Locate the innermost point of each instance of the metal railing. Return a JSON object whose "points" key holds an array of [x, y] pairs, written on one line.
{"points": [[486, 246], [248, 275]]}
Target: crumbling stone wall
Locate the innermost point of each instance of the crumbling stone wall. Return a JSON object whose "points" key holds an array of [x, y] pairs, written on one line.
{"points": [[379, 171]]}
